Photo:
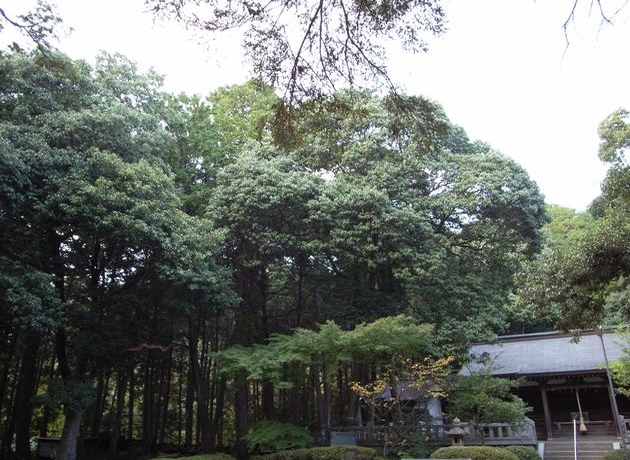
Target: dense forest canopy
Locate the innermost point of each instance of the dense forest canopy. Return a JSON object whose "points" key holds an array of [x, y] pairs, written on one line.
{"points": [[178, 268], [144, 235]]}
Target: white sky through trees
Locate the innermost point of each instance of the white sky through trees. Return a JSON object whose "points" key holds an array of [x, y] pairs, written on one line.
{"points": [[503, 71]]}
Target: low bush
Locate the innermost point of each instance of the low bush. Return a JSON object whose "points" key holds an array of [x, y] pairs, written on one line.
{"points": [[475, 453], [524, 453], [324, 453], [218, 456], [269, 435], [616, 454]]}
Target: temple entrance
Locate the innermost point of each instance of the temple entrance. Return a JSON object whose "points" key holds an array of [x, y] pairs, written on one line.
{"points": [[596, 410], [563, 409]]}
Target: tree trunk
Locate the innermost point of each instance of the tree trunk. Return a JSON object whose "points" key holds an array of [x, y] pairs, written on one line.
{"points": [[166, 397], [202, 400], [240, 415], [292, 395], [67, 449], [5, 371], [190, 401], [132, 398], [9, 427], [98, 405], [24, 397], [268, 401], [148, 403], [180, 405], [121, 390], [323, 399], [218, 413]]}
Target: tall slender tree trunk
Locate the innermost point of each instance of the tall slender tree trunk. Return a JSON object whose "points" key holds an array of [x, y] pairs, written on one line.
{"points": [[11, 412], [121, 390], [166, 396], [46, 416], [190, 401], [148, 402], [132, 400], [268, 401], [4, 380], [203, 417], [218, 413], [180, 405], [240, 415], [99, 402], [292, 396], [323, 398], [24, 397], [67, 449]]}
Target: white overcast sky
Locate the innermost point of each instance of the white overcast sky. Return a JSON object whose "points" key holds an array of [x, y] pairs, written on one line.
{"points": [[503, 72]]}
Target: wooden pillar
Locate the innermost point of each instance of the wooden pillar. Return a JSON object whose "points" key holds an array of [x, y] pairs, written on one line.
{"points": [[545, 402], [615, 416]]}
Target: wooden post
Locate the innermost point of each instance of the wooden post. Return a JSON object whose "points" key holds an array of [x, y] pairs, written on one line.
{"points": [[545, 402], [615, 415]]}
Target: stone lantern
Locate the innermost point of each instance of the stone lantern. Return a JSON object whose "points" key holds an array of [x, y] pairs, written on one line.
{"points": [[456, 433]]}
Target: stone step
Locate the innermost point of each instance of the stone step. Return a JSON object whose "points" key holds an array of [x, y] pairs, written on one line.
{"points": [[593, 446], [569, 455], [553, 444], [589, 448]]}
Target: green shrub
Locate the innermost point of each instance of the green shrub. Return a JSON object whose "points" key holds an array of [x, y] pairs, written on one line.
{"points": [[325, 453], [614, 455], [413, 450], [475, 453], [218, 456], [524, 453], [272, 436]]}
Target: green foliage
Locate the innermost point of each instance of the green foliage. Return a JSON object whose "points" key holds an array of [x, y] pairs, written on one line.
{"points": [[70, 395], [28, 297], [211, 133], [390, 337], [475, 453], [325, 453], [413, 446], [392, 340], [483, 398], [85, 188], [217, 456], [164, 225], [580, 278], [387, 223], [269, 435], [242, 113], [524, 452], [615, 454], [620, 369], [538, 306]]}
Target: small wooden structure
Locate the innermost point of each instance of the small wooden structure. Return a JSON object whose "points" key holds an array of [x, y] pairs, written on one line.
{"points": [[46, 448]]}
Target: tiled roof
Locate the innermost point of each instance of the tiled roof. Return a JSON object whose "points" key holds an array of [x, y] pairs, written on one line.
{"points": [[549, 353]]}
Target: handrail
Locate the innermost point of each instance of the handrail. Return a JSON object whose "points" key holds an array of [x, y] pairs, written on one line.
{"points": [[492, 433], [575, 455]]}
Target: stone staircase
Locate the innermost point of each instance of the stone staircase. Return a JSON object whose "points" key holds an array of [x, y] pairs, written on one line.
{"points": [[588, 447]]}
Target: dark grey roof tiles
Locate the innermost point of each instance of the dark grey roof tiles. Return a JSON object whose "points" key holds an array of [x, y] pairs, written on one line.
{"points": [[548, 353]]}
